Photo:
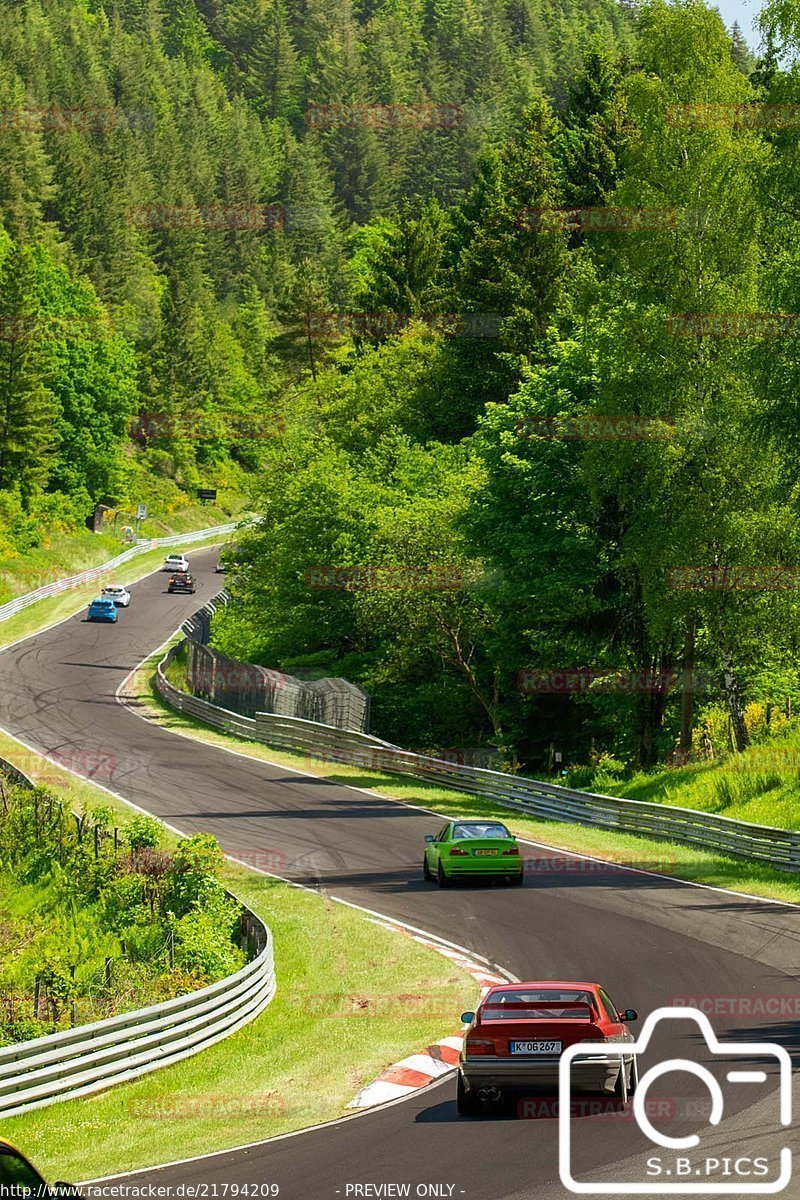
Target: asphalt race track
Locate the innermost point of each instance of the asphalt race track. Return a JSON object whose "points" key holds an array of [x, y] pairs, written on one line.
{"points": [[648, 940]]}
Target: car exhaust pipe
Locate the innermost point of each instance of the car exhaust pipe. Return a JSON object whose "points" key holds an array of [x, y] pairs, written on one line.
{"points": [[490, 1095]]}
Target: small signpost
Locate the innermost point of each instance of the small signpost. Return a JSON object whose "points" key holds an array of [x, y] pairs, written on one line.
{"points": [[206, 494]]}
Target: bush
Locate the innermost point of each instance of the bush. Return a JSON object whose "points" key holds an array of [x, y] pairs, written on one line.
{"points": [[124, 903], [203, 939], [194, 875], [143, 833]]}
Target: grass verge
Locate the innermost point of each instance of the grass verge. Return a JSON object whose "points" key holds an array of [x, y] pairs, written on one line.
{"points": [[669, 858], [49, 611], [761, 784], [335, 1023]]}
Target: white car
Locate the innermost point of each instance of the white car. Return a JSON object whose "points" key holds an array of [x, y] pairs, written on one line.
{"points": [[175, 562], [120, 595]]}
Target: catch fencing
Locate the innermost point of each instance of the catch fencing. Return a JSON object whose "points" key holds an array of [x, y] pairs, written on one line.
{"points": [[91, 1058], [72, 581], [247, 689], [778, 848]]}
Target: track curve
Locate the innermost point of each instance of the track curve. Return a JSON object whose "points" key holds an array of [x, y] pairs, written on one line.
{"points": [[647, 939]]}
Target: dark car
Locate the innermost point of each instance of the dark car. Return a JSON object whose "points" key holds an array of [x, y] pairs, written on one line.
{"points": [[18, 1177], [182, 581]]}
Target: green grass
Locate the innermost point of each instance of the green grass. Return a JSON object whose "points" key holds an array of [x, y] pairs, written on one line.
{"points": [[57, 608], [333, 1026], [62, 554], [669, 858], [761, 785]]}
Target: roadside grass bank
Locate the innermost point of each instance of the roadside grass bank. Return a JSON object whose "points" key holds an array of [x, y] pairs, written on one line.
{"points": [[53, 609], [760, 785], [64, 553], [337, 1021], [668, 858]]}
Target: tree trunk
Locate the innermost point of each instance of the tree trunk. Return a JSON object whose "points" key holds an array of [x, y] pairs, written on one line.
{"points": [[687, 695], [741, 739]]}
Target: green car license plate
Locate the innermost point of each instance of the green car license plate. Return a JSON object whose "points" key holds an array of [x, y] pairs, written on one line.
{"points": [[535, 1047], [489, 852]]}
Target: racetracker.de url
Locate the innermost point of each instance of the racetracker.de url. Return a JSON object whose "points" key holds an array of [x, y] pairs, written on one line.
{"points": [[144, 1191]]}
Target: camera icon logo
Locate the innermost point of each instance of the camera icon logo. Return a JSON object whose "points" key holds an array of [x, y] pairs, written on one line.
{"points": [[687, 1174]]}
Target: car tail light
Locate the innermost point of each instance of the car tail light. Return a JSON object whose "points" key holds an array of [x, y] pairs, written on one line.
{"points": [[514, 850], [457, 852], [479, 1045]]}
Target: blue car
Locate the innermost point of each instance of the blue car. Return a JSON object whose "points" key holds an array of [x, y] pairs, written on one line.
{"points": [[102, 610]]}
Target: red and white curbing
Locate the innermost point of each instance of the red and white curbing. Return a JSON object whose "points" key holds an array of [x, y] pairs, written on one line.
{"points": [[418, 1070]]}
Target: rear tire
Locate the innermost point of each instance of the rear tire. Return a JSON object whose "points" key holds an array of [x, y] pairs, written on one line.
{"points": [[467, 1104], [633, 1083], [441, 878]]}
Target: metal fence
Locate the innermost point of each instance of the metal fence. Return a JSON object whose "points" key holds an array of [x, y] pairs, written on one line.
{"points": [[779, 848], [246, 689], [91, 1058], [72, 581]]}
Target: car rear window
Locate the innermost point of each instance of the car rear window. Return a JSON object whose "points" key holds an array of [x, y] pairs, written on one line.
{"points": [[546, 1004], [480, 829]]}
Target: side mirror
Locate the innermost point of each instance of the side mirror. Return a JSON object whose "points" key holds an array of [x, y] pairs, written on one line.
{"points": [[630, 1014], [468, 1017], [429, 837]]}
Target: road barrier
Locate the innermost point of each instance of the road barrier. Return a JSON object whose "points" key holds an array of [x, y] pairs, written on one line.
{"points": [[71, 581], [91, 1058], [779, 848]]}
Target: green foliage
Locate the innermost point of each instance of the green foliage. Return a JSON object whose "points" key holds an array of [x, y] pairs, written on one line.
{"points": [[204, 938], [143, 833], [86, 927]]}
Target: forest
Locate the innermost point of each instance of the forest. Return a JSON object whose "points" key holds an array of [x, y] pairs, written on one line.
{"points": [[493, 306]]}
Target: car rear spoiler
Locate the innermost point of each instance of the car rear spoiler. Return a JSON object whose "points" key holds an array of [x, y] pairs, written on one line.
{"points": [[520, 1005]]}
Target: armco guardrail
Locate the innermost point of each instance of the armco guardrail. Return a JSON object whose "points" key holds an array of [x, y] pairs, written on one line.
{"points": [[91, 1058], [62, 585], [779, 848]]}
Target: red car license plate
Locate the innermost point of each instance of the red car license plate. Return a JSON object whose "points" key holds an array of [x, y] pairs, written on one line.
{"points": [[535, 1047]]}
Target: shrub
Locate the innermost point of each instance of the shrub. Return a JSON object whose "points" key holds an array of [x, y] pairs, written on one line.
{"points": [[193, 877], [143, 833], [203, 939], [124, 903]]}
